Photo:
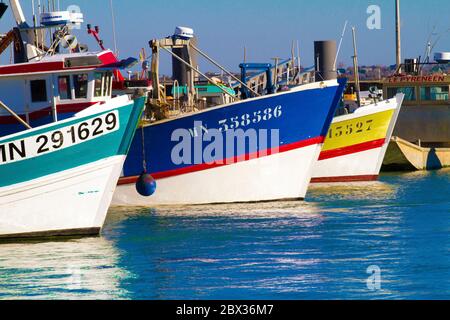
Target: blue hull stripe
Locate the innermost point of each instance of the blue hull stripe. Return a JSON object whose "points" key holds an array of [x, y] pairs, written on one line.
{"points": [[305, 115]]}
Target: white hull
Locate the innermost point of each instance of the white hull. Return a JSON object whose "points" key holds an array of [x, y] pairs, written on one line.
{"points": [[71, 202], [361, 166], [364, 165], [276, 177]]}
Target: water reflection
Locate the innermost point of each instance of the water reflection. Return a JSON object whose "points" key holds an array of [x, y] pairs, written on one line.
{"points": [[318, 249], [359, 191], [73, 269], [293, 250], [269, 210]]}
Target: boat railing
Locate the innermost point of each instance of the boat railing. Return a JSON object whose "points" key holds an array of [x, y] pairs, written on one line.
{"points": [[15, 115]]}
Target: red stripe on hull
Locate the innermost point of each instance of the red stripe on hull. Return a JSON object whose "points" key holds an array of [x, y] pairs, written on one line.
{"points": [[38, 67], [345, 179], [352, 149], [225, 162], [106, 58]]}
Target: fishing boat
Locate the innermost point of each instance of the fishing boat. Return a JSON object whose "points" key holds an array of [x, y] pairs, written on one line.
{"points": [[229, 149], [422, 136], [356, 143], [357, 140], [51, 82], [63, 139], [58, 179]]}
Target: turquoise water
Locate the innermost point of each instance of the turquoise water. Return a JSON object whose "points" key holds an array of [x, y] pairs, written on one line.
{"points": [[319, 249]]}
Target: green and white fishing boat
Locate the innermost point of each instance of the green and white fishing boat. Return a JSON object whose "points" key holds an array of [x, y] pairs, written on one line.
{"points": [[63, 138], [58, 179]]}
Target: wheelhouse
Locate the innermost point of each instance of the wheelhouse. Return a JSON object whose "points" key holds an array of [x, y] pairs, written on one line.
{"points": [[425, 115], [55, 88], [419, 90]]}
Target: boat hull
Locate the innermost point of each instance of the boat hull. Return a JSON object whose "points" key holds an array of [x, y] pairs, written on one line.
{"points": [[356, 144], [258, 173], [268, 178], [403, 155], [40, 207], [58, 180]]}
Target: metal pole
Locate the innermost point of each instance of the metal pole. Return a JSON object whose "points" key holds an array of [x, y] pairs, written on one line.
{"points": [[340, 44], [198, 71], [36, 42], [398, 36], [222, 68], [275, 74], [113, 27], [355, 66], [292, 63], [4, 106]]}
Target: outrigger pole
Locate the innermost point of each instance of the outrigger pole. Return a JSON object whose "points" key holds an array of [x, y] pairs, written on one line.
{"points": [[4, 106], [340, 44], [198, 71], [223, 69]]}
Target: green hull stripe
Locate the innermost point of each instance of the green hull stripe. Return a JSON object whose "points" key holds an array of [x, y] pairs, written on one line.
{"points": [[112, 144]]}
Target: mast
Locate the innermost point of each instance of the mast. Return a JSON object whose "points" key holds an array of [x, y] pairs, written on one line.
{"points": [[355, 68], [398, 36]]}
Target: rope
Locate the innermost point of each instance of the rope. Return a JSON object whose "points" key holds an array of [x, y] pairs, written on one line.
{"points": [[144, 162]]}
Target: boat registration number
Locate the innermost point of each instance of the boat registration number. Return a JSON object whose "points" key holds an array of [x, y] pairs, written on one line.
{"points": [[247, 119], [62, 138]]}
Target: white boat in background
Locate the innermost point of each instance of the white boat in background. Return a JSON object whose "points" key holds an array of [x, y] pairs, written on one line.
{"points": [[356, 143]]}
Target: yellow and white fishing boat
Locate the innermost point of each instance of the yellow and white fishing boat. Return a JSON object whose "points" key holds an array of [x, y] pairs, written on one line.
{"points": [[356, 143]]}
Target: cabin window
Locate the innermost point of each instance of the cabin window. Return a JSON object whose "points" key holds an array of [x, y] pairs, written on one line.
{"points": [[98, 80], [410, 92], [434, 93], [108, 85], [38, 90], [80, 83], [103, 82], [65, 92]]}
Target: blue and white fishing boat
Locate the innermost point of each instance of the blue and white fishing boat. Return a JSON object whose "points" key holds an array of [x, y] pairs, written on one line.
{"points": [[58, 179], [259, 149]]}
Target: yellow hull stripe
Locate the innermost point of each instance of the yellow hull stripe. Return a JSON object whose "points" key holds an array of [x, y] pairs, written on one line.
{"points": [[357, 131]]}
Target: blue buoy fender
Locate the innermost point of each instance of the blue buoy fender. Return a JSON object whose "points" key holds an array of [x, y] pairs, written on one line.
{"points": [[146, 185]]}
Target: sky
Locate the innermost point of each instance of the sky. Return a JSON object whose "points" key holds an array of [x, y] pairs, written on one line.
{"points": [[265, 27]]}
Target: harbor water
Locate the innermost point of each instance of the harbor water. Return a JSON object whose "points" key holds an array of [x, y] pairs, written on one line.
{"points": [[324, 248]]}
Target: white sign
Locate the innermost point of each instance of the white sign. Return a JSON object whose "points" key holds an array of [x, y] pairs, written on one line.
{"points": [[56, 140]]}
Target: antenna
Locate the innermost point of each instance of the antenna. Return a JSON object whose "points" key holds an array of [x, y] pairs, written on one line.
{"points": [[439, 38], [113, 27], [428, 46]]}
